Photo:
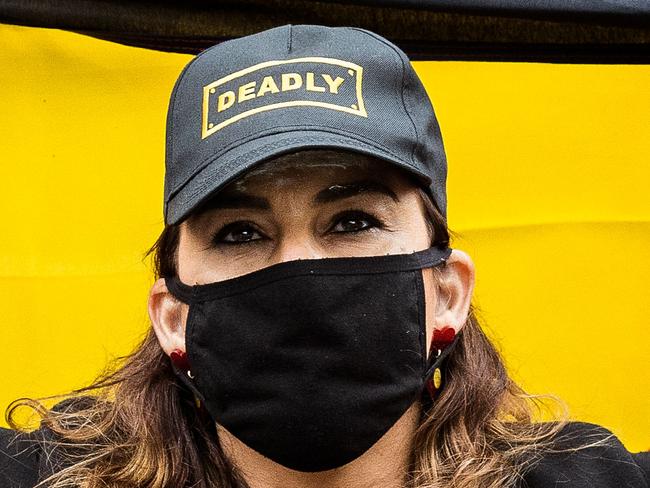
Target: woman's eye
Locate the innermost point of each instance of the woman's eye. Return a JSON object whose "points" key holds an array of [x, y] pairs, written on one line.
{"points": [[237, 233], [355, 222]]}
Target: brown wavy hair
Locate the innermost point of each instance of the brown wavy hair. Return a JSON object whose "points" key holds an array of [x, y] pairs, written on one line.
{"points": [[137, 425]]}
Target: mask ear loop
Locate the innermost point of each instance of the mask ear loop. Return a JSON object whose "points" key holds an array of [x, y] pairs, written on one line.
{"points": [[442, 343], [179, 361], [181, 369]]}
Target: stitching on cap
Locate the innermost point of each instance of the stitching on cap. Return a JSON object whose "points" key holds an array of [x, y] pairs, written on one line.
{"points": [[290, 40], [172, 123], [172, 105], [383, 41], [212, 157], [282, 143], [243, 140]]}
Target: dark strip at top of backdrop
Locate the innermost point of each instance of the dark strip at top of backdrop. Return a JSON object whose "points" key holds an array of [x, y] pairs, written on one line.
{"points": [[559, 31]]}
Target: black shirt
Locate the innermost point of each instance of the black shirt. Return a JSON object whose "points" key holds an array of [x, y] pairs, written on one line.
{"points": [[23, 461]]}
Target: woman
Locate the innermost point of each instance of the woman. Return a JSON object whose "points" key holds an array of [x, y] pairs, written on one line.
{"points": [[310, 324]]}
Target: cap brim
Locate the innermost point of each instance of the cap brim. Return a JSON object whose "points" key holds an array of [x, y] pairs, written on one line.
{"points": [[232, 164]]}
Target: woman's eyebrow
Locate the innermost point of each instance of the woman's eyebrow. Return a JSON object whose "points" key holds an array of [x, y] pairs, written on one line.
{"points": [[346, 190], [232, 199], [237, 199]]}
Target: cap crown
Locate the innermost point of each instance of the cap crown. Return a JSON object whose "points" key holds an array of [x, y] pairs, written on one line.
{"points": [[249, 97]]}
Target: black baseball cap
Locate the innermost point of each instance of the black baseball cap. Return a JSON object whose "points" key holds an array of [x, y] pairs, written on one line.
{"points": [[290, 88]]}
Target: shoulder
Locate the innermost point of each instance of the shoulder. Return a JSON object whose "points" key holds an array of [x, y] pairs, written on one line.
{"points": [[28, 457], [589, 455], [19, 459]]}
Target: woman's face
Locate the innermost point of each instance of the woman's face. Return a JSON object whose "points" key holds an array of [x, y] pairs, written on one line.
{"points": [[312, 204], [309, 205]]}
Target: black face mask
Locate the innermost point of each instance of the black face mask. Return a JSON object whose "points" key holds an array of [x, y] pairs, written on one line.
{"points": [[310, 362]]}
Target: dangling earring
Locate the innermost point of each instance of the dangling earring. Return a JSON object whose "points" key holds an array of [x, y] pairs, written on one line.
{"points": [[179, 358], [440, 340]]}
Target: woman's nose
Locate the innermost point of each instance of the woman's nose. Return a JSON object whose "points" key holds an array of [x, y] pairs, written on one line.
{"points": [[301, 249]]}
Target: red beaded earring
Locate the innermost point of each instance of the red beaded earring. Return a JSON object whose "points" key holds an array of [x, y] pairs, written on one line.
{"points": [[440, 340], [179, 358]]}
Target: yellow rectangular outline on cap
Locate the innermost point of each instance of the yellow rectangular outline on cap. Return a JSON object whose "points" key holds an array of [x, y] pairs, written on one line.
{"points": [[360, 110]]}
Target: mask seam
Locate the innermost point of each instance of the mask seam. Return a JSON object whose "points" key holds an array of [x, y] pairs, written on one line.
{"points": [[202, 297], [422, 324], [289, 130], [208, 290]]}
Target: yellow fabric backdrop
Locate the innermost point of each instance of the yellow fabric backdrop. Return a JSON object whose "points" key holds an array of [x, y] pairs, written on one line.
{"points": [[548, 191]]}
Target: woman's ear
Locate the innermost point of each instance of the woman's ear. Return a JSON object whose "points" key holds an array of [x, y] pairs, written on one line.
{"points": [[168, 316], [448, 294], [455, 286]]}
